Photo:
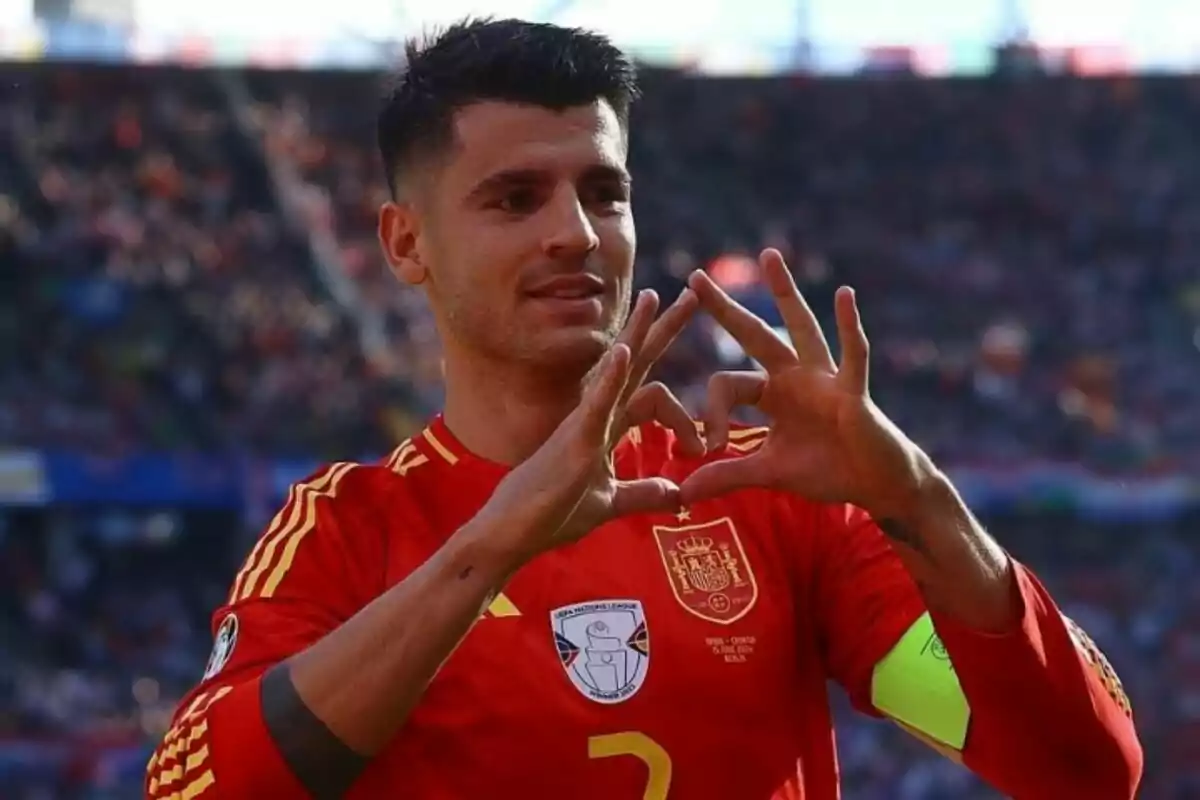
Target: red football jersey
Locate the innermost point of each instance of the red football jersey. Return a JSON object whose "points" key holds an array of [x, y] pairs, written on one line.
{"points": [[676, 655]]}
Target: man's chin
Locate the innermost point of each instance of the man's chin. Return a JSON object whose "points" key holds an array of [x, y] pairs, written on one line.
{"points": [[572, 352]]}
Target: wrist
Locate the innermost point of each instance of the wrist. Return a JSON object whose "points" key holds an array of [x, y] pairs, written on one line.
{"points": [[926, 494], [960, 570], [486, 550]]}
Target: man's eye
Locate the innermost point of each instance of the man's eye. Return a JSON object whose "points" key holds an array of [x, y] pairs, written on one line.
{"points": [[609, 195], [521, 201]]}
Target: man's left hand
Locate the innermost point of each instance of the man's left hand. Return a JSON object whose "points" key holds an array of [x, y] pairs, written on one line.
{"points": [[828, 440]]}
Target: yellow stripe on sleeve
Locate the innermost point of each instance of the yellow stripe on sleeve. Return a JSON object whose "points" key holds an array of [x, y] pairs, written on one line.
{"points": [[195, 759], [302, 509], [198, 786], [295, 537], [277, 522]]}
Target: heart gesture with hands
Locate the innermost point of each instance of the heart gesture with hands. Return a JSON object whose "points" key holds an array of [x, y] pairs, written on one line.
{"points": [[569, 486], [828, 440]]}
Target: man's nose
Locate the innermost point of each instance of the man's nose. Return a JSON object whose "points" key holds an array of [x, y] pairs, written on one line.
{"points": [[569, 228]]}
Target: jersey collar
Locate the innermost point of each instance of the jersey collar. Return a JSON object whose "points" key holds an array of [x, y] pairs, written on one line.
{"points": [[445, 444]]}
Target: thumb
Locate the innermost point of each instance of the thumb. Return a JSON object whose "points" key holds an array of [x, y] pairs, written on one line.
{"points": [[644, 496], [722, 477]]}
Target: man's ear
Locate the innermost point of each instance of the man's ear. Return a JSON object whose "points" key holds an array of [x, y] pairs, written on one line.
{"points": [[399, 228]]}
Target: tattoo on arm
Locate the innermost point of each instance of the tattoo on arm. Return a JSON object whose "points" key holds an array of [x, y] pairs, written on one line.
{"points": [[902, 534], [323, 763]]}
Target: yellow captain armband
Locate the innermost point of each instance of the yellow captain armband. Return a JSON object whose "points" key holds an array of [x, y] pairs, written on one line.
{"points": [[915, 685]]}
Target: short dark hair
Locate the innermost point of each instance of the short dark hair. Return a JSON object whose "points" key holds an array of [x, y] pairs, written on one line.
{"points": [[509, 60]]}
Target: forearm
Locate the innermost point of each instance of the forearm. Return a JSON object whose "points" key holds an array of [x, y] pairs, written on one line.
{"points": [[1044, 721], [362, 680], [309, 726], [1049, 718], [959, 568]]}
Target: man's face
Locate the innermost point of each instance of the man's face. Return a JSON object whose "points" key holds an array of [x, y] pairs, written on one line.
{"points": [[523, 236]]}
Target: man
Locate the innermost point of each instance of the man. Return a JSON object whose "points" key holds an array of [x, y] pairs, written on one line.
{"points": [[558, 589]]}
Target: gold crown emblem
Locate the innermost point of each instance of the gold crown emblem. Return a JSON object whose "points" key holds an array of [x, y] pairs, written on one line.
{"points": [[695, 545]]}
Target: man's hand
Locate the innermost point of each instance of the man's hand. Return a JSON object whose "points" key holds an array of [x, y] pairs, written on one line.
{"points": [[568, 488], [828, 440]]}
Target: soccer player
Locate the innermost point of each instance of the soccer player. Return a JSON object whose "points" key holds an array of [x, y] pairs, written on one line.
{"points": [[558, 589]]}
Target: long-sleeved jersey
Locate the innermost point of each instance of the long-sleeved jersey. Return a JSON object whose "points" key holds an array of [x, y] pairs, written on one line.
{"points": [[662, 656]]}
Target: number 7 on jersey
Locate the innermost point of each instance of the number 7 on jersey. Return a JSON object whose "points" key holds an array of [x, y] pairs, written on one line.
{"points": [[642, 747]]}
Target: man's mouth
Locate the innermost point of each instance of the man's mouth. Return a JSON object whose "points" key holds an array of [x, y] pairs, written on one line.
{"points": [[569, 287], [571, 299]]}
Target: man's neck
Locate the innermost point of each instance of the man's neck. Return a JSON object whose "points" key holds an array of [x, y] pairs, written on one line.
{"points": [[504, 415]]}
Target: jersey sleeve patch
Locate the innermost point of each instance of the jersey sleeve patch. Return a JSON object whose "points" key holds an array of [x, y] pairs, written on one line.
{"points": [[223, 645], [915, 685]]}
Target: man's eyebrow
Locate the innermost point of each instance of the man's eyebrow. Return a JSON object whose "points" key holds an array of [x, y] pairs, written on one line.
{"points": [[607, 172], [526, 177], [508, 177]]}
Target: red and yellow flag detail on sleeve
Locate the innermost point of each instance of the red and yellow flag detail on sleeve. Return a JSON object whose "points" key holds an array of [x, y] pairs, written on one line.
{"points": [[1099, 664], [179, 768]]}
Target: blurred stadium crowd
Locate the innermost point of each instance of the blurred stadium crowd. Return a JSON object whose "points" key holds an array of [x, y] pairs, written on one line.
{"points": [[188, 263]]}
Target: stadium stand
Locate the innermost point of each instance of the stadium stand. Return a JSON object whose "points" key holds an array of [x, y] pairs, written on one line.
{"points": [[181, 308], [1025, 253]]}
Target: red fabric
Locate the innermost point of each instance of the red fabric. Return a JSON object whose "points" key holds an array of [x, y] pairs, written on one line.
{"points": [[336, 568], [1044, 724], [734, 691]]}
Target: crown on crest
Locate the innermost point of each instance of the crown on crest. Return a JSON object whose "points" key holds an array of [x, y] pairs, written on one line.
{"points": [[695, 545]]}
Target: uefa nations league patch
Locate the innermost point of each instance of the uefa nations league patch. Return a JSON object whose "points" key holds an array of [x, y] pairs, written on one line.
{"points": [[604, 646]]}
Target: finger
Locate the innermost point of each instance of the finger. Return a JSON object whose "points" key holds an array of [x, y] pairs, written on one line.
{"points": [[646, 496], [802, 325], [727, 391], [662, 334], [637, 327], [722, 477], [856, 349], [754, 335], [603, 391], [655, 403]]}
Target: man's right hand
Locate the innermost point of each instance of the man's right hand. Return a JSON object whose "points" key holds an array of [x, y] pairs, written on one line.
{"points": [[568, 487]]}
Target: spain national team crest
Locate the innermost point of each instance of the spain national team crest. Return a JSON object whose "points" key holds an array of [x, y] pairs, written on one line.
{"points": [[708, 569], [604, 647]]}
